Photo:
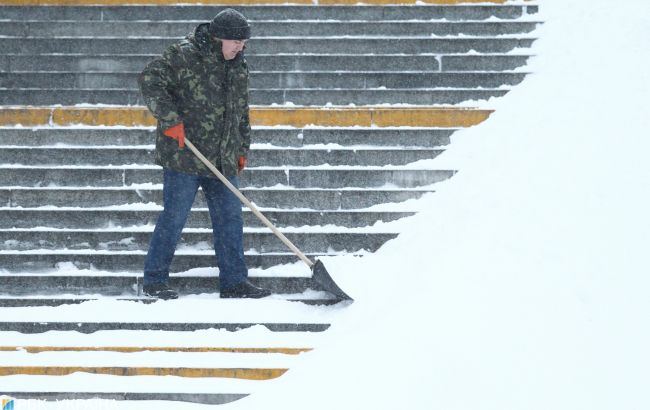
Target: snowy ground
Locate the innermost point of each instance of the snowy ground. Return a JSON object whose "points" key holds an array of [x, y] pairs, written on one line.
{"points": [[522, 283]]}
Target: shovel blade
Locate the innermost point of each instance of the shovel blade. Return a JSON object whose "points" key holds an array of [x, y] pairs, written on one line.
{"points": [[324, 281]]}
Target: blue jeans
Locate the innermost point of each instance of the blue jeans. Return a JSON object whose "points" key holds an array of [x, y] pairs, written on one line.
{"points": [[179, 191]]}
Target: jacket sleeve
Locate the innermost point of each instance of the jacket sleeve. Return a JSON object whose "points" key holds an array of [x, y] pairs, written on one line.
{"points": [[244, 123], [157, 82], [245, 132]]}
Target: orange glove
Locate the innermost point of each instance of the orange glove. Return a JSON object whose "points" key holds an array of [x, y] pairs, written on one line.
{"points": [[242, 163], [177, 132]]}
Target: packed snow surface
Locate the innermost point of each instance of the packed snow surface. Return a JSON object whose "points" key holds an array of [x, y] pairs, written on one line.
{"points": [[523, 284]]}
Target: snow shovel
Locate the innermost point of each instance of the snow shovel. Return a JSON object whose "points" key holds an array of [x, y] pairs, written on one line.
{"points": [[319, 274]]}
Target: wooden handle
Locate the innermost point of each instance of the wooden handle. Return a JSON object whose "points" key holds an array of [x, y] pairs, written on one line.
{"points": [[248, 203]]}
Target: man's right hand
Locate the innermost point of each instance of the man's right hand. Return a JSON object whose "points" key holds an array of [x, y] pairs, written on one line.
{"points": [[177, 132]]}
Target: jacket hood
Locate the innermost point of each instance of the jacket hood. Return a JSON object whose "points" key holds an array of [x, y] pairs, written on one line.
{"points": [[200, 37]]}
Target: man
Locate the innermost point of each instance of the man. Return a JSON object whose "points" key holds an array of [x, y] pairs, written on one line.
{"points": [[199, 89]]}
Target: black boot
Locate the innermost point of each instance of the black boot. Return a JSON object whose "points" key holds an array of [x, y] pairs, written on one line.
{"points": [[244, 289], [160, 291]]}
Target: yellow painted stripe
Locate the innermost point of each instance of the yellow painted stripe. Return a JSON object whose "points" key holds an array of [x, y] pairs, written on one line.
{"points": [[419, 116], [299, 117], [235, 2], [231, 373], [423, 117], [102, 116], [25, 116], [133, 349], [371, 116]]}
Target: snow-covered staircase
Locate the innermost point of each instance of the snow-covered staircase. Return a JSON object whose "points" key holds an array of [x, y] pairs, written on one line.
{"points": [[211, 364], [345, 99], [418, 55]]}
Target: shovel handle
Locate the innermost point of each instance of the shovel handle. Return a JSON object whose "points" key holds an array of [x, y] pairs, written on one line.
{"points": [[249, 204]]}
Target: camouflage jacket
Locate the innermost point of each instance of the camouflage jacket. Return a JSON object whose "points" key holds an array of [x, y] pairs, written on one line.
{"points": [[193, 83]]}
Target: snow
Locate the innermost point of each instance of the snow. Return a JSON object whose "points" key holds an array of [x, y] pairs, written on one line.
{"points": [[99, 383], [521, 284], [378, 227], [230, 311], [255, 336]]}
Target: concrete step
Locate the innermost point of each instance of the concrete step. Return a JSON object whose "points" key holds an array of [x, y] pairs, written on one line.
{"points": [[199, 398], [193, 239], [59, 301], [132, 261], [314, 199], [80, 218], [270, 12], [326, 178], [284, 137], [116, 177], [259, 97], [258, 157], [287, 62], [92, 327], [318, 45], [53, 284], [277, 80], [413, 96], [50, 156], [265, 28]]}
